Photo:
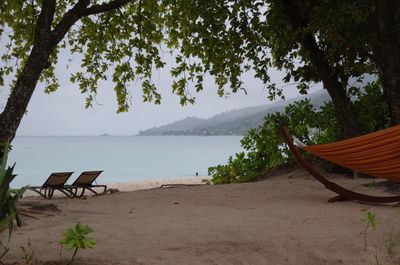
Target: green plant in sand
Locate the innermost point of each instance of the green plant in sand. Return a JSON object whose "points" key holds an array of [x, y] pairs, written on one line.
{"points": [[28, 255], [370, 220], [76, 239], [394, 240], [8, 200]]}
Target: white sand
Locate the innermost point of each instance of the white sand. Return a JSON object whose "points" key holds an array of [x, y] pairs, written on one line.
{"points": [[283, 220], [139, 185], [157, 183]]}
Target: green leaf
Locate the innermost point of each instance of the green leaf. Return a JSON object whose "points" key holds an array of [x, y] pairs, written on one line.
{"points": [[75, 238], [71, 244]]}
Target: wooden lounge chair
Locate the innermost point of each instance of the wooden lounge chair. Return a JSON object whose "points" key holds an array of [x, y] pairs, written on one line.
{"points": [[55, 181], [376, 154], [85, 182]]}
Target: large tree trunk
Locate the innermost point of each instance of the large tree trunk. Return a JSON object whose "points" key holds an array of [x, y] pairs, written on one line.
{"points": [[325, 72], [18, 101], [387, 49]]}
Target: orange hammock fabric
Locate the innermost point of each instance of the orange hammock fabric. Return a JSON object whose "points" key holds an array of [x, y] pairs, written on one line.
{"points": [[376, 154]]}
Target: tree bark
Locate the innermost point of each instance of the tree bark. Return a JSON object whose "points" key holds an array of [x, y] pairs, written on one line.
{"points": [[335, 88], [387, 47], [325, 72]]}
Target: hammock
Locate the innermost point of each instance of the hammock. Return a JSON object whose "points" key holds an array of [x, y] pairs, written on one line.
{"points": [[376, 154]]}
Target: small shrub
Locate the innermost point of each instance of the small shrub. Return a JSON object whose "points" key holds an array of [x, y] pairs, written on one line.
{"points": [[8, 199], [265, 147], [76, 239]]}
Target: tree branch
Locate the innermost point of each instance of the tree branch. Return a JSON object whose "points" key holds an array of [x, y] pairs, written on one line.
{"points": [[80, 10], [97, 9], [46, 17], [69, 19]]}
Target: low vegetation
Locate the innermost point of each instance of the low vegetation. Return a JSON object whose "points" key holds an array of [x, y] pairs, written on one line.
{"points": [[370, 224], [76, 239], [8, 200], [264, 147]]}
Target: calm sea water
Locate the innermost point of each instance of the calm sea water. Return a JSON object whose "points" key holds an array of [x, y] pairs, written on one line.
{"points": [[134, 158]]}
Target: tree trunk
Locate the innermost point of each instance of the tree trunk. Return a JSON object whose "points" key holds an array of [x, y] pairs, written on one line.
{"points": [[18, 101], [335, 88], [387, 49], [325, 72]]}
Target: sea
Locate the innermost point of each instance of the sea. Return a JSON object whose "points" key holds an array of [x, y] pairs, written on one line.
{"points": [[123, 158]]}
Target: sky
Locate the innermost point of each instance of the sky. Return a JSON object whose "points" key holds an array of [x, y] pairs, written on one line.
{"points": [[63, 113]]}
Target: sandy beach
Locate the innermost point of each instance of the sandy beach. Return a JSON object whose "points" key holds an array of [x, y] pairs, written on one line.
{"points": [[283, 219]]}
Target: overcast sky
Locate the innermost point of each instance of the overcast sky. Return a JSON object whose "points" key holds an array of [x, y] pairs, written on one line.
{"points": [[63, 112]]}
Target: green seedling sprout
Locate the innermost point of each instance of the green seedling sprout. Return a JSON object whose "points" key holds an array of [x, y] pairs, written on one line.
{"points": [[394, 240], [28, 255], [76, 239], [370, 220]]}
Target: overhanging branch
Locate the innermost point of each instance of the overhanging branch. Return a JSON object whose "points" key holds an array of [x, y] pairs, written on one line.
{"points": [[80, 10], [97, 9]]}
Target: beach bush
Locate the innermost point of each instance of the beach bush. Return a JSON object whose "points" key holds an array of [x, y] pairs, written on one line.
{"points": [[8, 200], [76, 239], [265, 148]]}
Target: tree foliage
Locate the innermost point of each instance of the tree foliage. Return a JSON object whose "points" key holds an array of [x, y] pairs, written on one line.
{"points": [[124, 41]]}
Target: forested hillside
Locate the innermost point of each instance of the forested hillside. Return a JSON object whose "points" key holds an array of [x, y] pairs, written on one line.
{"points": [[235, 122]]}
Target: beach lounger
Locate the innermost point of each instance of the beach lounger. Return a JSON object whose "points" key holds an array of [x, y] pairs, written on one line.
{"points": [[85, 182], [376, 154], [55, 181]]}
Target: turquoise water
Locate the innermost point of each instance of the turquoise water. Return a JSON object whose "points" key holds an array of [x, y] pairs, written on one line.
{"points": [[123, 159]]}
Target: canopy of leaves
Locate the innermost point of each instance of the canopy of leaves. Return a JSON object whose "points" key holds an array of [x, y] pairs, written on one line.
{"points": [[126, 44]]}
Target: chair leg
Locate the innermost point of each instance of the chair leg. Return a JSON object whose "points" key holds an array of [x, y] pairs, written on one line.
{"points": [[67, 192], [83, 191], [92, 190], [50, 194], [39, 191]]}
